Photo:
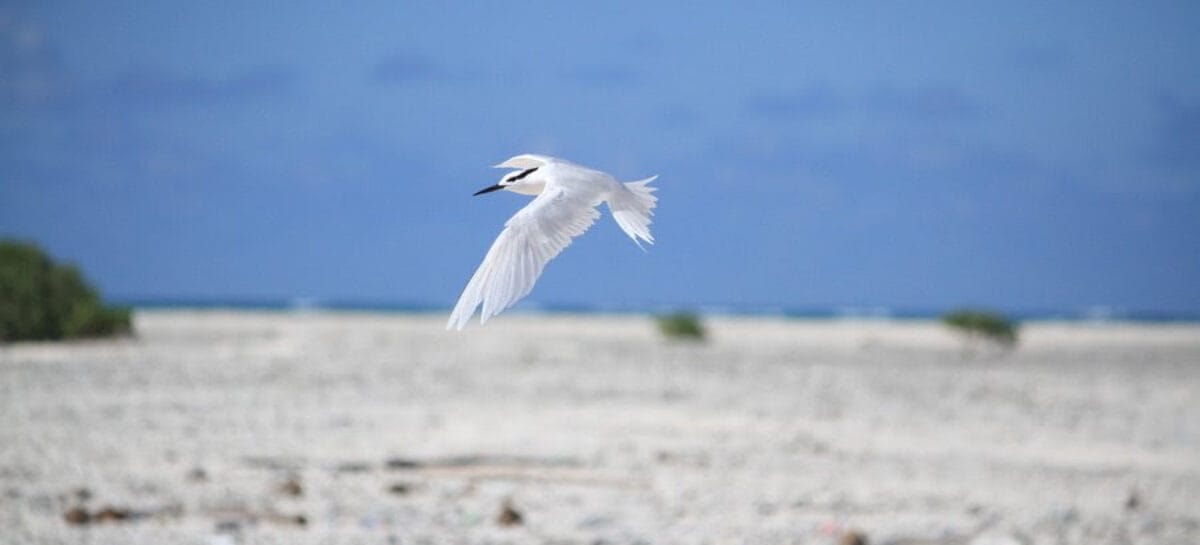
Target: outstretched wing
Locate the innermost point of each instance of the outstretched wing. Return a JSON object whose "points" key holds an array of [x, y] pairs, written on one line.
{"points": [[531, 238]]}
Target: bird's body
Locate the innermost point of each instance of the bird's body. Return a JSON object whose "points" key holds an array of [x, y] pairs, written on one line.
{"points": [[564, 206]]}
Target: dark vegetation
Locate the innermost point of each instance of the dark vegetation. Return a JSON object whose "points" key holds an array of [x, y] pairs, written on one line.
{"points": [[982, 325], [681, 325], [44, 300]]}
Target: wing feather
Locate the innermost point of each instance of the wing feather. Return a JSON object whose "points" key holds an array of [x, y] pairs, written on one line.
{"points": [[531, 238]]}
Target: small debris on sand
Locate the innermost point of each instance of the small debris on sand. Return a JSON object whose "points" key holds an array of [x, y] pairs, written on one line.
{"points": [[1133, 501], [80, 516], [298, 520], [234, 521], [292, 488], [853, 537], [77, 516], [399, 489], [352, 467], [508, 516], [228, 526], [402, 463], [112, 514]]}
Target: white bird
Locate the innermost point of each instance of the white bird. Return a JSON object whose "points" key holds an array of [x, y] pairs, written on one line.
{"points": [[567, 195]]}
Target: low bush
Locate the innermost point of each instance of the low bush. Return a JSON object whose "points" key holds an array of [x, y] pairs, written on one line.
{"points": [[982, 324], [44, 300], [681, 325]]}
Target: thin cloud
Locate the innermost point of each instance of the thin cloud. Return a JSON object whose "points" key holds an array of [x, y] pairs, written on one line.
{"points": [[32, 69], [1177, 143], [35, 75], [405, 68], [923, 104], [813, 102], [153, 86], [603, 75]]}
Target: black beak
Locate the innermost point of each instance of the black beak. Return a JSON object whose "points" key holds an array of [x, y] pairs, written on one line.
{"points": [[487, 190]]}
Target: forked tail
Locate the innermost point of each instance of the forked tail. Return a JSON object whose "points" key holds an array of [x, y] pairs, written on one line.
{"points": [[632, 209]]}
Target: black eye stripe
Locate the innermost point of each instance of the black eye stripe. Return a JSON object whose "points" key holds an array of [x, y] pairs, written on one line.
{"points": [[522, 174]]}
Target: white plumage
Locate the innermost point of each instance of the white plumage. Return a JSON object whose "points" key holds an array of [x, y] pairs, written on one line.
{"points": [[567, 195]]}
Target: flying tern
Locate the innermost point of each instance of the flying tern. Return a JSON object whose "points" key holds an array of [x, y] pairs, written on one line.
{"points": [[564, 206]]}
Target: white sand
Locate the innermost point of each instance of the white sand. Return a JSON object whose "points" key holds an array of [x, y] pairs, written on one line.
{"points": [[600, 432]]}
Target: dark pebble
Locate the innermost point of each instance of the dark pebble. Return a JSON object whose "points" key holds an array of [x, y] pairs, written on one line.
{"points": [[399, 489], [402, 463], [1133, 501], [509, 516], [197, 475], [853, 537], [291, 488], [77, 516], [228, 526]]}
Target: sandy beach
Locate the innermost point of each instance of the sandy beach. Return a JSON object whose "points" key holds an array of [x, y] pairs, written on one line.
{"points": [[223, 427]]}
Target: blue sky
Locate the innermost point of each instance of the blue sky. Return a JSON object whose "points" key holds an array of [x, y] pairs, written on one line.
{"points": [[932, 154]]}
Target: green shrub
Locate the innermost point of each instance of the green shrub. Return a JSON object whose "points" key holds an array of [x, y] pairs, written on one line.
{"points": [[982, 324], [97, 321], [40, 299], [681, 325]]}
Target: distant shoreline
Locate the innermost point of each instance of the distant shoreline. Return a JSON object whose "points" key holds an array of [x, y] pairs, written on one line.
{"points": [[1096, 315]]}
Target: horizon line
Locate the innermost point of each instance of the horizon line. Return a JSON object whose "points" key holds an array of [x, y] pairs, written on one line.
{"points": [[1096, 313]]}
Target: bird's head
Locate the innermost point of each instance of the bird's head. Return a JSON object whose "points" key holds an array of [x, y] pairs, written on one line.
{"points": [[509, 180], [523, 180]]}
